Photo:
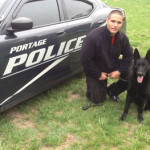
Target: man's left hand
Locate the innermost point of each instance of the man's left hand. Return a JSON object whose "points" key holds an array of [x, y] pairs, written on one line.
{"points": [[114, 75]]}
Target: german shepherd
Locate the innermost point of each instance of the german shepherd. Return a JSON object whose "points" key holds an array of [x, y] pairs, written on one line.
{"points": [[138, 85]]}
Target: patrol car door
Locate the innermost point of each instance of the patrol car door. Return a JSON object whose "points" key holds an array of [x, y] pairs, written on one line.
{"points": [[33, 60], [79, 24]]}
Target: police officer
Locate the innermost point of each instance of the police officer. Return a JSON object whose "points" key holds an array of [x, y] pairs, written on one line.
{"points": [[100, 59]]}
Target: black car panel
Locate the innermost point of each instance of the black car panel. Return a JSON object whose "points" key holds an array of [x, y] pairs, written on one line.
{"points": [[41, 42]]}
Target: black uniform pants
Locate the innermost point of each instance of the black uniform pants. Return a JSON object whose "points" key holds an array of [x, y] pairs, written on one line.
{"points": [[96, 89]]}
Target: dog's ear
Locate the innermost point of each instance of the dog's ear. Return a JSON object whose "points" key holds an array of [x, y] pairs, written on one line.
{"points": [[148, 55], [136, 54]]}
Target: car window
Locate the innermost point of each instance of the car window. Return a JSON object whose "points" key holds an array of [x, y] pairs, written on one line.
{"points": [[78, 8], [42, 12]]}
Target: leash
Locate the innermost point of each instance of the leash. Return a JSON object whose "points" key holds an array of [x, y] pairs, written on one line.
{"points": [[123, 79], [90, 105]]}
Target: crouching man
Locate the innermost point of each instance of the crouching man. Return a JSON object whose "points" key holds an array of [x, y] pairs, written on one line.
{"points": [[100, 59]]}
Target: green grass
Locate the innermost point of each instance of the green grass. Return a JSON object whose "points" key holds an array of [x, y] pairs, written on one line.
{"points": [[55, 120]]}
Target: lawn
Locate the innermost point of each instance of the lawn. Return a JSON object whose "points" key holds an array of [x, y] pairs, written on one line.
{"points": [[54, 120]]}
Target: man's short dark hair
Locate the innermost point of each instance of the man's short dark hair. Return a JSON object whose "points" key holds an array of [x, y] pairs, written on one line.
{"points": [[117, 11]]}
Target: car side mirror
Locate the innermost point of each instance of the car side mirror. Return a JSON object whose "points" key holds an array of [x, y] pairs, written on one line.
{"points": [[20, 24]]}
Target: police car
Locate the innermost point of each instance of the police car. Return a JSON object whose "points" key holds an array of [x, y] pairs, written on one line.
{"points": [[40, 43]]}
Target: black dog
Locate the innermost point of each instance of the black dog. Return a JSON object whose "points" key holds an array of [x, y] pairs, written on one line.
{"points": [[139, 85]]}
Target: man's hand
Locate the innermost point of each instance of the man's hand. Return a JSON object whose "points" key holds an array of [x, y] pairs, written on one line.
{"points": [[114, 75], [103, 76]]}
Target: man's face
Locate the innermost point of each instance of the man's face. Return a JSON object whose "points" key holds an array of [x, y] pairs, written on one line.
{"points": [[114, 23]]}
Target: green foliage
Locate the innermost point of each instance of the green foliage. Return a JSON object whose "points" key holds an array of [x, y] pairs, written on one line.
{"points": [[55, 119]]}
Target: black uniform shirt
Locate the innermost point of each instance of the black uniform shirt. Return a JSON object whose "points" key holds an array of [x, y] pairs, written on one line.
{"points": [[99, 55]]}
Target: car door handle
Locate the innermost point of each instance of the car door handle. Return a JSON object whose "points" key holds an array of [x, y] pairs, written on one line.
{"points": [[61, 32], [100, 22]]}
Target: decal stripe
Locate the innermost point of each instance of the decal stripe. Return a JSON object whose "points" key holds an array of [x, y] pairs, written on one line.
{"points": [[36, 78], [33, 66]]}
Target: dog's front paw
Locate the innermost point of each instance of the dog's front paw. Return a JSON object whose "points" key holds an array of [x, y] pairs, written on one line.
{"points": [[123, 117], [140, 117]]}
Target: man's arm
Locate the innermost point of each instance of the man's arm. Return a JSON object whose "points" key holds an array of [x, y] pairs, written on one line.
{"points": [[88, 52], [127, 53]]}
